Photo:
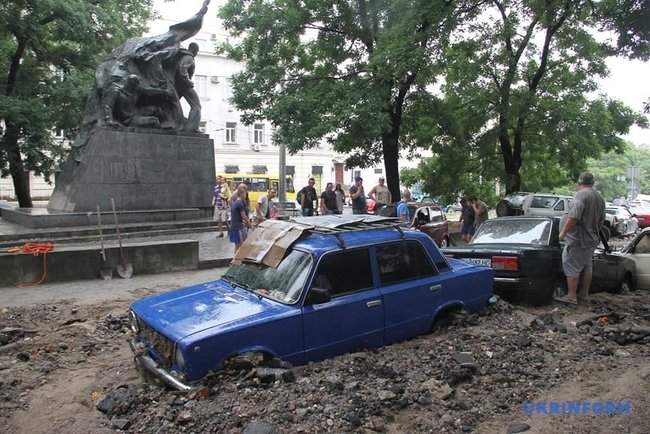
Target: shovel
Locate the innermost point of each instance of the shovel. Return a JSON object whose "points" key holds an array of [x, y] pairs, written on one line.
{"points": [[105, 272], [124, 269]]}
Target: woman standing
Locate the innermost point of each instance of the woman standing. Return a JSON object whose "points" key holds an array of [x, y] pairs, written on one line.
{"points": [[340, 198]]}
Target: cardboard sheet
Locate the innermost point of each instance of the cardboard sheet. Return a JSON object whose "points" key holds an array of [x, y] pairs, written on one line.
{"points": [[269, 242]]}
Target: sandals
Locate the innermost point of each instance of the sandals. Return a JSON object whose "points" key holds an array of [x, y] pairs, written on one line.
{"points": [[566, 300]]}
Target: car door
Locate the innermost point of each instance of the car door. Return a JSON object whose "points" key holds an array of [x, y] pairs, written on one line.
{"points": [[605, 271], [353, 318], [410, 286], [641, 256]]}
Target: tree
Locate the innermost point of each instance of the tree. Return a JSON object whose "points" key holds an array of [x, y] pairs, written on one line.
{"points": [[341, 70], [630, 20], [50, 49], [520, 90]]}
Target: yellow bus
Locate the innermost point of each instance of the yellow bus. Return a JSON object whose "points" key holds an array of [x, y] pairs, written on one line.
{"points": [[258, 185]]}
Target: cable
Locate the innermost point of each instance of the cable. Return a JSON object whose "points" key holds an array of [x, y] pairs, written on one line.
{"points": [[35, 249]]}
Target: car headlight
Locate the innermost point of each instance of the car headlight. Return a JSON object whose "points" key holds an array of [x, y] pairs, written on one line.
{"points": [[178, 357], [135, 327]]}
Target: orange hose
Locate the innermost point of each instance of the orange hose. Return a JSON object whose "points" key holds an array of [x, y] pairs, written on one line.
{"points": [[35, 249]]}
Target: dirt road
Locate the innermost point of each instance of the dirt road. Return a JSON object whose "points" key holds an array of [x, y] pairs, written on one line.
{"points": [[59, 358]]}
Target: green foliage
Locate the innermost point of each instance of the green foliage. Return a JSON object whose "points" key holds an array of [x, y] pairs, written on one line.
{"points": [[49, 51], [630, 20], [347, 71]]}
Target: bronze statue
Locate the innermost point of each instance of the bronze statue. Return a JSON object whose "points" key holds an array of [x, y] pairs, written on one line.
{"points": [[126, 104], [185, 87]]}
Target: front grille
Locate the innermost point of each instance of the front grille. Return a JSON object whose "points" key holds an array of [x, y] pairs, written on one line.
{"points": [[163, 347]]}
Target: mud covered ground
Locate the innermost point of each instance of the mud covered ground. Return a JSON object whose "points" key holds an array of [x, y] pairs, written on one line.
{"points": [[59, 361]]}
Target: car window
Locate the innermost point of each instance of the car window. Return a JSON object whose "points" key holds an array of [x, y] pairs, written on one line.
{"points": [[422, 216], [643, 246], [399, 262], [344, 272], [559, 206], [518, 231], [543, 202], [436, 215]]}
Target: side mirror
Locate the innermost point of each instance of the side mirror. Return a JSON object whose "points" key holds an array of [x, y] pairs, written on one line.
{"points": [[318, 296]]}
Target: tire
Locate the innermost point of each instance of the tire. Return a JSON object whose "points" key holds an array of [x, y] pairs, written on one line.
{"points": [[542, 294], [444, 243], [504, 208]]}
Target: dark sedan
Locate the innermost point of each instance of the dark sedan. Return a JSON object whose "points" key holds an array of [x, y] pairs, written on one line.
{"points": [[526, 256]]}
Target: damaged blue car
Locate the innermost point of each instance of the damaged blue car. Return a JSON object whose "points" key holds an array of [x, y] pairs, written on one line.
{"points": [[303, 291]]}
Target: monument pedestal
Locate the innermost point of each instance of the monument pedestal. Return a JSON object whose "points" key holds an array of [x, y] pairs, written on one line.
{"points": [[140, 170]]}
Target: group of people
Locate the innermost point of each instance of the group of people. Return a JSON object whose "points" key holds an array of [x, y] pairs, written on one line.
{"points": [[333, 198]]}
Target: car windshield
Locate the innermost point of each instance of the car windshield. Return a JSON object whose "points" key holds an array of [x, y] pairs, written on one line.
{"points": [[283, 283], [513, 231]]}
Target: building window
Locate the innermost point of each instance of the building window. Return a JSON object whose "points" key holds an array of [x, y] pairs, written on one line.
{"points": [[316, 170], [227, 89], [357, 173], [231, 132], [201, 85], [260, 170], [290, 170], [378, 171], [231, 169], [202, 126], [258, 134]]}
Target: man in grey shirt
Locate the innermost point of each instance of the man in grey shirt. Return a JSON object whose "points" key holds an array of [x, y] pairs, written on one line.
{"points": [[581, 232]]}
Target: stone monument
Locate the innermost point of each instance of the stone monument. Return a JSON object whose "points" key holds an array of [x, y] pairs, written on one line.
{"points": [[134, 144]]}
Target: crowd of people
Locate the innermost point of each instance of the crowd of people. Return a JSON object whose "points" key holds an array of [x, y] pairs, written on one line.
{"points": [[580, 229]]}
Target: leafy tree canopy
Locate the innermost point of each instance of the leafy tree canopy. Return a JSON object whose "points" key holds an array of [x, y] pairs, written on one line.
{"points": [[347, 71], [49, 51]]}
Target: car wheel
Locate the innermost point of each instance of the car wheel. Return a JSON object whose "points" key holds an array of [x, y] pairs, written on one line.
{"points": [[444, 243], [504, 208]]}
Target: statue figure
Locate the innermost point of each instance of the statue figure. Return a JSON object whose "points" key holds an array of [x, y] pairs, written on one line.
{"points": [[126, 104], [185, 87]]}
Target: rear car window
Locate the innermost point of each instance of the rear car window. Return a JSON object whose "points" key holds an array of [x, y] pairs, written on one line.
{"points": [[399, 262], [344, 272], [517, 231], [543, 202]]}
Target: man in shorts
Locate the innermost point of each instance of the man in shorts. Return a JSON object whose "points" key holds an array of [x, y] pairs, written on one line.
{"points": [[466, 219], [221, 201], [581, 232], [239, 222]]}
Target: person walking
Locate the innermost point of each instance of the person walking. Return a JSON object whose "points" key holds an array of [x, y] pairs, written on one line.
{"points": [[306, 198], [340, 198], [466, 219], [221, 202], [328, 200], [358, 196], [239, 222], [380, 194], [581, 232], [264, 207]]}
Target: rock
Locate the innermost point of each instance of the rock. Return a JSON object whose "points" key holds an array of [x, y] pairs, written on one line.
{"points": [[119, 400], [386, 395], [259, 427], [466, 360], [184, 417], [353, 419], [517, 428], [278, 363], [23, 357], [377, 424], [621, 353], [302, 412], [120, 424], [523, 341], [438, 389], [459, 375], [571, 327], [446, 419], [63, 346]]}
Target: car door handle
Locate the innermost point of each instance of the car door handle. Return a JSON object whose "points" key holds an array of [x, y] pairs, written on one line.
{"points": [[435, 287], [373, 303]]}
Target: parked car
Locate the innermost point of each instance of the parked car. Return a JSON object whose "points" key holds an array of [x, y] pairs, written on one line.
{"points": [[544, 205], [511, 205], [638, 250], [430, 219], [304, 291], [643, 216], [623, 222], [526, 255]]}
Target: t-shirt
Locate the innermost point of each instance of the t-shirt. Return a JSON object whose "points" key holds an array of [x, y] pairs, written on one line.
{"points": [[382, 193], [221, 193], [236, 222], [468, 215], [263, 201], [310, 197], [329, 198], [358, 204], [340, 198], [588, 208], [403, 212]]}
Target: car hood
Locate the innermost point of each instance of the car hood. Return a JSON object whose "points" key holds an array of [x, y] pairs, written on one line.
{"points": [[184, 312]]}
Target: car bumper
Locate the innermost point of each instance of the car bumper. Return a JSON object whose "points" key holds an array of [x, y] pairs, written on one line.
{"points": [[515, 283], [150, 365]]}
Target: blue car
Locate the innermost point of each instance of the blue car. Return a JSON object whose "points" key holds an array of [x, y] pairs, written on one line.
{"points": [[304, 291]]}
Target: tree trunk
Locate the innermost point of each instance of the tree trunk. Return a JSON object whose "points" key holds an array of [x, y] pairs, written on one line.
{"points": [[391, 163], [16, 167]]}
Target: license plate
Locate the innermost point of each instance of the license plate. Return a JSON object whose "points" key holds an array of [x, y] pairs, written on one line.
{"points": [[486, 262]]}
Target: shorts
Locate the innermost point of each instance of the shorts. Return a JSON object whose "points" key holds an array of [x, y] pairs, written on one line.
{"points": [[468, 229], [237, 236], [221, 214], [307, 212], [576, 260]]}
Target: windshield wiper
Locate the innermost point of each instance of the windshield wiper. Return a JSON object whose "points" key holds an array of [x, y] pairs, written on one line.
{"points": [[241, 285]]}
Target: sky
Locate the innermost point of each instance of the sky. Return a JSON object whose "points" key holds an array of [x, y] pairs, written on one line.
{"points": [[627, 82]]}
